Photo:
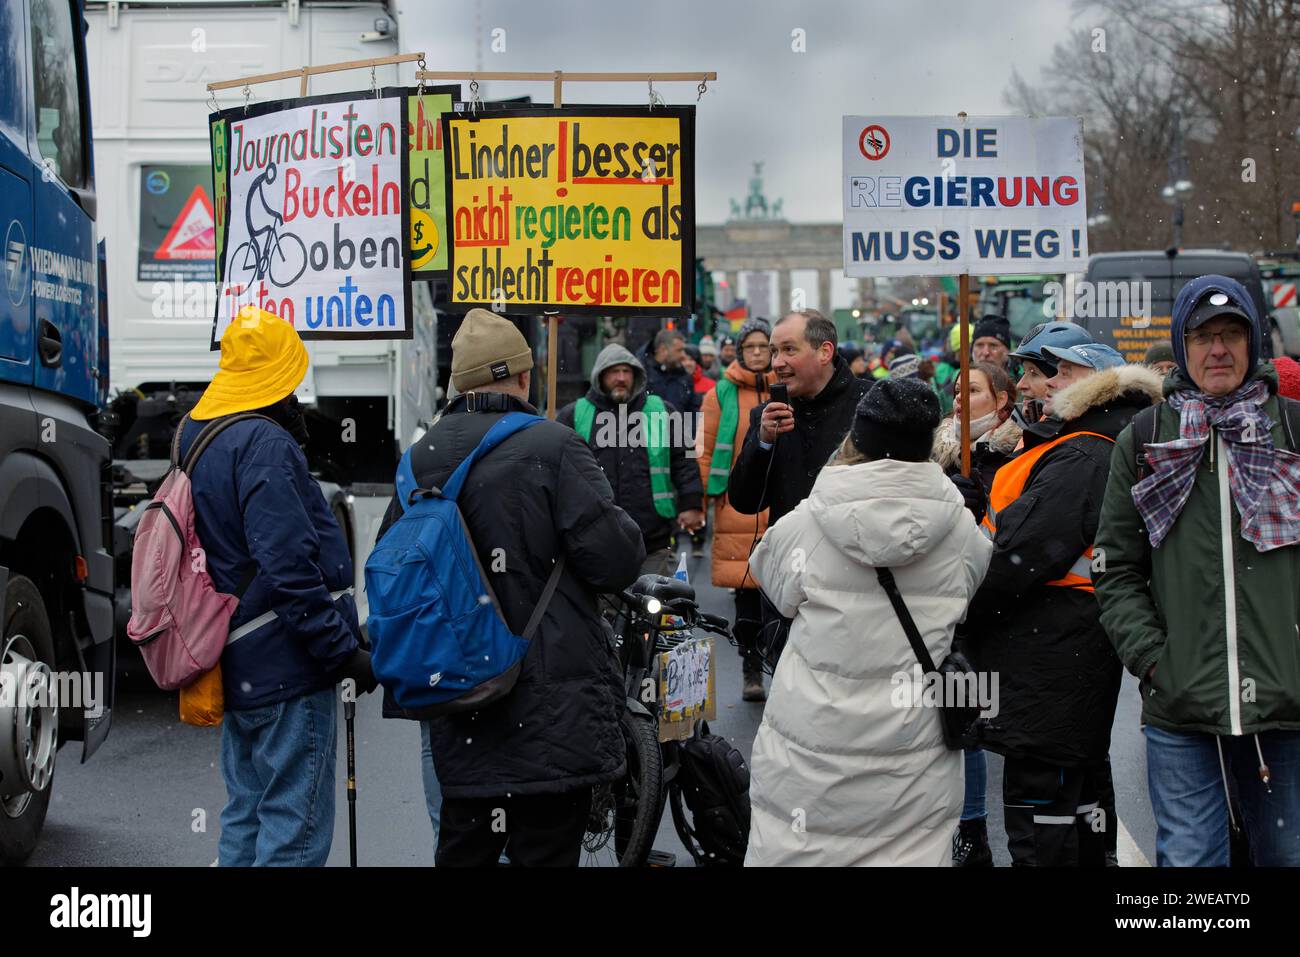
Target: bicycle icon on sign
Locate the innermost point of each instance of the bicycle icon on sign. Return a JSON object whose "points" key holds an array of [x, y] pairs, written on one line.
{"points": [[268, 253]]}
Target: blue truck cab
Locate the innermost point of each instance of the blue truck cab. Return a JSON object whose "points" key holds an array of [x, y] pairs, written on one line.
{"points": [[56, 568]]}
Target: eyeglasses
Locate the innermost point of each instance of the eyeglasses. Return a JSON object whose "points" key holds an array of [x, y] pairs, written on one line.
{"points": [[1232, 336]]}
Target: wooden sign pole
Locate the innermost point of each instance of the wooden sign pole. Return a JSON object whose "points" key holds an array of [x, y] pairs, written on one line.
{"points": [[552, 319], [963, 297], [552, 362]]}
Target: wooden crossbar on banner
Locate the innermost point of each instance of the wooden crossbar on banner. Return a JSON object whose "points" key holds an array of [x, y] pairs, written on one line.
{"points": [[306, 72]]}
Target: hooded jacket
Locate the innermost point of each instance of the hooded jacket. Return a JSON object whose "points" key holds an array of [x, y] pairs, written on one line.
{"points": [[258, 509], [1058, 675], [841, 736], [733, 533], [781, 477], [627, 466], [536, 496], [674, 386], [1216, 671]]}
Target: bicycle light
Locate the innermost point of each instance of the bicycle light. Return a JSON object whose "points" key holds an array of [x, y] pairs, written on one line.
{"points": [[653, 606]]}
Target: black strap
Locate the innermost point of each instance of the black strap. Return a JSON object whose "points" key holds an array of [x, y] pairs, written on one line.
{"points": [[551, 584], [1146, 420], [905, 618], [209, 432], [1290, 409]]}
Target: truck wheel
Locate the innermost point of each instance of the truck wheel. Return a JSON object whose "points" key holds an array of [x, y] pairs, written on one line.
{"points": [[29, 723]]}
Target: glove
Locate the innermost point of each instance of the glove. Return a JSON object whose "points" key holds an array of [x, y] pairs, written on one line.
{"points": [[972, 490], [358, 669]]}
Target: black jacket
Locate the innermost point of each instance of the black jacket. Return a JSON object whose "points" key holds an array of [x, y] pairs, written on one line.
{"points": [[537, 495], [820, 424], [628, 470], [675, 387], [1058, 676]]}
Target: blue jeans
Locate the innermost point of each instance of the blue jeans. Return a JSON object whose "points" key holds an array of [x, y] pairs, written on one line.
{"points": [[1191, 806], [432, 789], [278, 763], [977, 782]]}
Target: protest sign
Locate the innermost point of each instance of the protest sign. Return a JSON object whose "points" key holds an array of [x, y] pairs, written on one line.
{"points": [[428, 190], [577, 209], [986, 195], [312, 212], [687, 687]]}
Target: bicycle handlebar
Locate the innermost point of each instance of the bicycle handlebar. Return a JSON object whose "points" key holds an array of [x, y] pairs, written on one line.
{"points": [[684, 608], [716, 624]]}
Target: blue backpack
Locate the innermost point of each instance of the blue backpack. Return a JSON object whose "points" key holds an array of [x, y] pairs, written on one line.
{"points": [[440, 643]]}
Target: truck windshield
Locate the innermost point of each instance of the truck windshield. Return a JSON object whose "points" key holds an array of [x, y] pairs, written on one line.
{"points": [[1166, 281]]}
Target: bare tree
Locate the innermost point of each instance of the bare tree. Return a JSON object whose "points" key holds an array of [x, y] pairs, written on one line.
{"points": [[1231, 69]]}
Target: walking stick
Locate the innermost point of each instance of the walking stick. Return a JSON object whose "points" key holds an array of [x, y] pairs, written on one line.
{"points": [[349, 718]]}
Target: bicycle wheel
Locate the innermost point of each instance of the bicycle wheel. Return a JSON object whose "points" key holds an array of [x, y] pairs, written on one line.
{"points": [[241, 266], [625, 813], [288, 260]]}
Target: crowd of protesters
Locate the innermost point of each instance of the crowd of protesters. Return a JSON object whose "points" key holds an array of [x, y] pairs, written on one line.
{"points": [[1113, 515]]}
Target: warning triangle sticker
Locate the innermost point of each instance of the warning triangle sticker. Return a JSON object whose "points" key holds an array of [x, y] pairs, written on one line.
{"points": [[192, 235]]}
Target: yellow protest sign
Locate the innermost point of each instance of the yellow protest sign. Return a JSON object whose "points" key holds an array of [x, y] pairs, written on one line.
{"points": [[428, 193], [577, 210]]}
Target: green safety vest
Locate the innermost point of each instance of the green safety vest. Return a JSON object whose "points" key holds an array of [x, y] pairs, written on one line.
{"points": [[661, 485], [720, 470]]}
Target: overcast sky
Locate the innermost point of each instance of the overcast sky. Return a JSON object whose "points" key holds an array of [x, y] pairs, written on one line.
{"points": [[770, 104]]}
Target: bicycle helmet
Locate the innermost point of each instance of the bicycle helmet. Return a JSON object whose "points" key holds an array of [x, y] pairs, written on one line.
{"points": [[1060, 335]]}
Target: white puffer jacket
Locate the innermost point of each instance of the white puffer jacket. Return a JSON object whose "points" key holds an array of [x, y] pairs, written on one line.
{"points": [[840, 774]]}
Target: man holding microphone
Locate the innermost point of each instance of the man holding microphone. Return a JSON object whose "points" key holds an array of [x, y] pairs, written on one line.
{"points": [[823, 394]]}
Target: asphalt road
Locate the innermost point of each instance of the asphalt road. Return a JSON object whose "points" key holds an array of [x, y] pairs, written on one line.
{"points": [[153, 793]]}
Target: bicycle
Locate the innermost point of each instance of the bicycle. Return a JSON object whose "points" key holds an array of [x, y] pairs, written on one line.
{"points": [[625, 813], [282, 261]]}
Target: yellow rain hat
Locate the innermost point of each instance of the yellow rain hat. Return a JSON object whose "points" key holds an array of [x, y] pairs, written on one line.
{"points": [[262, 361]]}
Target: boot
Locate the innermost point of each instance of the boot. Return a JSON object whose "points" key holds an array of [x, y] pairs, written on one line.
{"points": [[970, 844], [753, 686]]}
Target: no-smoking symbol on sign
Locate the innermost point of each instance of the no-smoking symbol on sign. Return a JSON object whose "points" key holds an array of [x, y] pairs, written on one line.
{"points": [[874, 142]]}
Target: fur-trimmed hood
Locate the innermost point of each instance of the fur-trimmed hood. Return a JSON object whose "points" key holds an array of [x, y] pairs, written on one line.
{"points": [[1104, 387], [947, 447]]}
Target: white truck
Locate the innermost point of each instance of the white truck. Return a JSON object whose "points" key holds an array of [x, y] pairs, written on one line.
{"points": [[149, 65]]}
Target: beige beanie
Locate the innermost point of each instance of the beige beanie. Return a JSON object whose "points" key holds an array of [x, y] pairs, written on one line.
{"points": [[486, 349]]}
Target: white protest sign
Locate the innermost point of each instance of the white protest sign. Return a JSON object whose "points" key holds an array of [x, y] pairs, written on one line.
{"points": [[313, 214], [684, 679], [939, 196]]}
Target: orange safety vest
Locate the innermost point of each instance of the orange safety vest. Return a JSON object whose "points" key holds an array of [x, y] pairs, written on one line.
{"points": [[1008, 486]]}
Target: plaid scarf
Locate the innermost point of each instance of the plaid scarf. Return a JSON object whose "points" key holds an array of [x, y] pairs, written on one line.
{"points": [[1264, 481]]}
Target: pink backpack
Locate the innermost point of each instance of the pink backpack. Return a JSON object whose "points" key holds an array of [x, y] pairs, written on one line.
{"points": [[179, 620]]}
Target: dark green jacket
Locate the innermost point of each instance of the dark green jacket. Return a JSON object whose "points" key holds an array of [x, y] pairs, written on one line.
{"points": [[1168, 607]]}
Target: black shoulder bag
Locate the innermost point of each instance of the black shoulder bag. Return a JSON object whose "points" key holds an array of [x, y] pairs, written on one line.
{"points": [[955, 718]]}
